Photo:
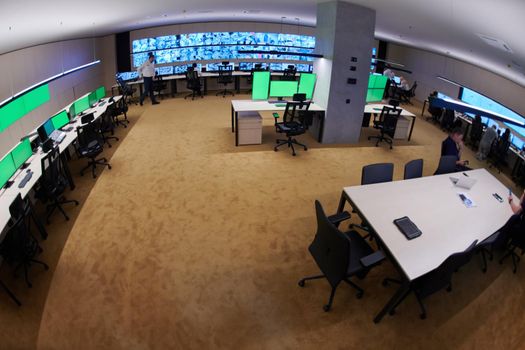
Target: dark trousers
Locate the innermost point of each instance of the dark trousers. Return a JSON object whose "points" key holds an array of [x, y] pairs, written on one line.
{"points": [[148, 89]]}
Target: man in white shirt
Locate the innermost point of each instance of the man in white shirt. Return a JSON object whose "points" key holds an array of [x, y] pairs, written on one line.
{"points": [[147, 71], [389, 73]]}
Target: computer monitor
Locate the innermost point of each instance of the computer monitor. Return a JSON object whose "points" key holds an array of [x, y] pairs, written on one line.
{"points": [[60, 120], [283, 88], [92, 98], [21, 153], [307, 84], [397, 80], [48, 127], [79, 106], [260, 85], [100, 92], [7, 169]]}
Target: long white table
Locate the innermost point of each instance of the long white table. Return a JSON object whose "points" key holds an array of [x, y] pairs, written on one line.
{"points": [[8, 195], [259, 106], [433, 204]]}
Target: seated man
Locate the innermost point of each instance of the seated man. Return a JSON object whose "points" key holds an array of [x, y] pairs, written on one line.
{"points": [[453, 146]]}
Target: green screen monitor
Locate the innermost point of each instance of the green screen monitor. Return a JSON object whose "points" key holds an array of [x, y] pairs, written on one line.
{"points": [[92, 98], [283, 88], [100, 93], [11, 112], [21, 153], [374, 95], [60, 120], [79, 106], [36, 98], [260, 85], [7, 169], [307, 84], [376, 88]]}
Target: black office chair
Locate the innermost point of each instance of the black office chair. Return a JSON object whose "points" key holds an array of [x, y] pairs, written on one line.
{"points": [[374, 174], [296, 120], [447, 165], [476, 132], [289, 73], [435, 280], [386, 124], [90, 145], [22, 208], [159, 85], [435, 112], [126, 91], [413, 169], [193, 83], [339, 255], [52, 184], [406, 96], [498, 153], [118, 109], [107, 126], [20, 248], [225, 78], [447, 120], [515, 236]]}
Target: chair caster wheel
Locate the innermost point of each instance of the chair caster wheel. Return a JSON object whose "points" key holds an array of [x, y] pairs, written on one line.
{"points": [[392, 312], [29, 285], [76, 203], [359, 295], [109, 167], [384, 283], [46, 267], [67, 218], [423, 316], [275, 149], [301, 283], [306, 149], [293, 154], [326, 308]]}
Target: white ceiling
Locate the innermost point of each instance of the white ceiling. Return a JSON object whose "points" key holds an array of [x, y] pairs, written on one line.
{"points": [[445, 26]]}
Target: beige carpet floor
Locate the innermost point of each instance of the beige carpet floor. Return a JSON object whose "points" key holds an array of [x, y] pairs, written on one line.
{"points": [[192, 243]]}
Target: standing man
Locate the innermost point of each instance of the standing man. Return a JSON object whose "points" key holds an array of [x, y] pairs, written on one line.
{"points": [[147, 71]]}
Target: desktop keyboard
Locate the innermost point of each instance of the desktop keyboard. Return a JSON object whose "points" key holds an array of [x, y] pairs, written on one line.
{"points": [[25, 180], [101, 103], [57, 136]]}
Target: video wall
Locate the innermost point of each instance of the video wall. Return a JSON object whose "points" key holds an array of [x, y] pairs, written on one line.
{"points": [[476, 99], [222, 46]]}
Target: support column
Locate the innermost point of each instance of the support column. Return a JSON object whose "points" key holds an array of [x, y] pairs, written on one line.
{"points": [[345, 37]]}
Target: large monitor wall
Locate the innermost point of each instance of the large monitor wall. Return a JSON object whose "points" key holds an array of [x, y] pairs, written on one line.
{"points": [[222, 46]]}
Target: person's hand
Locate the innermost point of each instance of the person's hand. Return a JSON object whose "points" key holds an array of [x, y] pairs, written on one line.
{"points": [[461, 162]]}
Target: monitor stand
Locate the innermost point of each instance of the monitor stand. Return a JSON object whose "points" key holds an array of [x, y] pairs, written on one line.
{"points": [[279, 100]]}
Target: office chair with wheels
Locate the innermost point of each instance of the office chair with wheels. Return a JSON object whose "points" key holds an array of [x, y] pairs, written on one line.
{"points": [[447, 165], [406, 96], [159, 85], [374, 174], [256, 68], [119, 108], [193, 83], [107, 126], [435, 280], [514, 231], [52, 184], [386, 124], [476, 132], [289, 73], [296, 120], [90, 145], [22, 208], [225, 78], [126, 91], [413, 169], [498, 154], [447, 120], [20, 248], [435, 112], [339, 255]]}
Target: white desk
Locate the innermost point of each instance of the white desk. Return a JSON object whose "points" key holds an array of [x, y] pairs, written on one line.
{"points": [[259, 106], [8, 195], [433, 204], [375, 108]]}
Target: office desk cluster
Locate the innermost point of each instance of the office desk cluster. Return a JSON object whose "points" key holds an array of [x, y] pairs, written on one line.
{"points": [[433, 204], [7, 196]]}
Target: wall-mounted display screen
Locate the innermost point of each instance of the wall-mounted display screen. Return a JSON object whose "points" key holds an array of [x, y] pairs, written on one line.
{"points": [[23, 105], [129, 75], [222, 46], [166, 70], [214, 67], [181, 69], [476, 99]]}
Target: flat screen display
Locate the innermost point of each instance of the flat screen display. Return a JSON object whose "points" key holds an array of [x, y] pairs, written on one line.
{"points": [[21, 153], [260, 85], [283, 88], [92, 98], [60, 120], [476, 99], [7, 169], [307, 84], [376, 88], [100, 93], [80, 105], [48, 127]]}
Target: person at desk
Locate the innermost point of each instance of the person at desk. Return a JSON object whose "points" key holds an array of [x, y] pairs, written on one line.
{"points": [[453, 146], [389, 73], [404, 84], [147, 71], [486, 142]]}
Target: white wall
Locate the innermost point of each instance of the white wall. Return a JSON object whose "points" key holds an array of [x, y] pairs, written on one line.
{"points": [[425, 66], [23, 68]]}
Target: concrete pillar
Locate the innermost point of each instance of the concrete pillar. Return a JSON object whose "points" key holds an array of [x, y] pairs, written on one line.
{"points": [[345, 37]]}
